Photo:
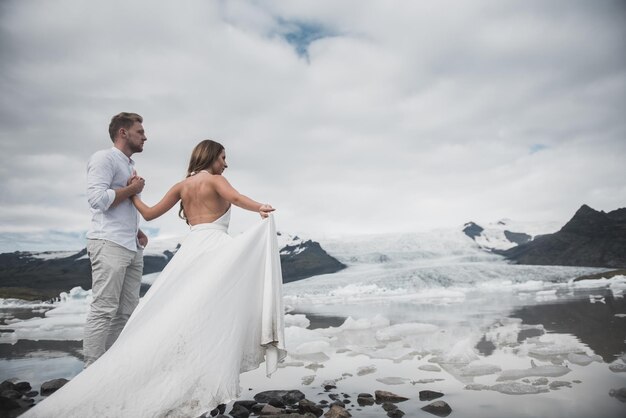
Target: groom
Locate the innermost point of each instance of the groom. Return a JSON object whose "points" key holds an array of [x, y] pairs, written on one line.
{"points": [[114, 241]]}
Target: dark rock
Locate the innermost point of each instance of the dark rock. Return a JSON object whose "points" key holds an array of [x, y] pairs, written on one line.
{"points": [[7, 404], [276, 402], [329, 387], [472, 230], [439, 408], [257, 408], [337, 411], [52, 386], [429, 395], [293, 397], [246, 404], [346, 401], [333, 396], [239, 411], [324, 402], [305, 406], [271, 410], [11, 394], [306, 260], [395, 413], [517, 237], [388, 406], [363, 401], [590, 238], [345, 395], [6, 385], [365, 395], [31, 394], [279, 398], [220, 409], [23, 386], [384, 396]]}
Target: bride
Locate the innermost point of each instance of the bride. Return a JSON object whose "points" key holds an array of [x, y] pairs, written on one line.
{"points": [[214, 312]]}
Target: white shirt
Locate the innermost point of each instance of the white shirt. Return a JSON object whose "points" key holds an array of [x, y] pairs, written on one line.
{"points": [[108, 170]]}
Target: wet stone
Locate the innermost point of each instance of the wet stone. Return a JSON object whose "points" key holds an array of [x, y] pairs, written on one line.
{"points": [[363, 401], [429, 395], [305, 406], [384, 396], [337, 411], [439, 408], [388, 406], [52, 386], [396, 413]]}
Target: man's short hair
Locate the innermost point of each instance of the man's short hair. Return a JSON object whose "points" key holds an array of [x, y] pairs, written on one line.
{"points": [[122, 120]]}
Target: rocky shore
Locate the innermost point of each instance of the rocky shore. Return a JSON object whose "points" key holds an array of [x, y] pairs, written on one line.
{"points": [[17, 397]]}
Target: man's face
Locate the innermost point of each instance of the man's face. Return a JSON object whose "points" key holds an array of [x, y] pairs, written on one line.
{"points": [[135, 137]]}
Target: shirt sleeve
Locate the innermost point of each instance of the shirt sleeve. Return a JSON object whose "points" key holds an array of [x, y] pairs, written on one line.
{"points": [[99, 179]]}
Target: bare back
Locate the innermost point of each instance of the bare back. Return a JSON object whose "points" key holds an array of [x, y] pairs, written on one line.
{"points": [[200, 199]]}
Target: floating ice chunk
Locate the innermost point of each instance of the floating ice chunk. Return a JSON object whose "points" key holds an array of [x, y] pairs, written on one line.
{"points": [[313, 357], [297, 320], [546, 295], [307, 380], [582, 359], [553, 350], [290, 364], [591, 284], [617, 367], [461, 353], [364, 323], [545, 371], [311, 347], [529, 285], [396, 332], [477, 386], [479, 370], [425, 381], [362, 371], [429, 368], [596, 298], [294, 336], [516, 388], [620, 315], [559, 384], [392, 380]]}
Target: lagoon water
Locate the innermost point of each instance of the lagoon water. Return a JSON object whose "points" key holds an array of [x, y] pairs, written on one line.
{"points": [[410, 313]]}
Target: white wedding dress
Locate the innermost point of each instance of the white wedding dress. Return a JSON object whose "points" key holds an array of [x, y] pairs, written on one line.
{"points": [[214, 312]]}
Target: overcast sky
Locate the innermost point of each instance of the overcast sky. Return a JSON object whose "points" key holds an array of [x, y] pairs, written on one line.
{"points": [[348, 116]]}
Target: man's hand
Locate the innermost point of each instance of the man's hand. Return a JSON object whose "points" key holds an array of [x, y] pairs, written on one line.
{"points": [[142, 238], [135, 184]]}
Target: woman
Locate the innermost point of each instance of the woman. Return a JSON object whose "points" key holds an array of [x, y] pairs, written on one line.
{"points": [[214, 312]]}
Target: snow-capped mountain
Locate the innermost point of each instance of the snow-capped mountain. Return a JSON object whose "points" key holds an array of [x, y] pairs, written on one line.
{"points": [[507, 233]]}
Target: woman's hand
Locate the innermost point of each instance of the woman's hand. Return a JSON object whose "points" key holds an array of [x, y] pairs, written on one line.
{"points": [[265, 210]]}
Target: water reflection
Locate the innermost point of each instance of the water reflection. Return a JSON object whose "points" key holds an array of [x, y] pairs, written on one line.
{"points": [[594, 324]]}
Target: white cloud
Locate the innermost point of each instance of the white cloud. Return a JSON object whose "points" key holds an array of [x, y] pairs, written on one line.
{"points": [[405, 117]]}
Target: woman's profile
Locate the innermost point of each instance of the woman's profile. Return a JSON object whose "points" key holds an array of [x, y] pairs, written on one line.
{"points": [[214, 312]]}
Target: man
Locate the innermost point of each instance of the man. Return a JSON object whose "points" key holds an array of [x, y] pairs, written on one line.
{"points": [[114, 241]]}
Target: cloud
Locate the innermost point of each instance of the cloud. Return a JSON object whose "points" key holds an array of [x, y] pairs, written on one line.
{"points": [[348, 117]]}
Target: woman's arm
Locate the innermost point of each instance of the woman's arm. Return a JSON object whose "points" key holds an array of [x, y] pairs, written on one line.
{"points": [[228, 192], [169, 200]]}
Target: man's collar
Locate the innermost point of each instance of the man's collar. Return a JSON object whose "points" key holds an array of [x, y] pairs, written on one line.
{"points": [[130, 160]]}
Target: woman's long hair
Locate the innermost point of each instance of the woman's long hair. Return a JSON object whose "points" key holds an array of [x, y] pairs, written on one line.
{"points": [[202, 158]]}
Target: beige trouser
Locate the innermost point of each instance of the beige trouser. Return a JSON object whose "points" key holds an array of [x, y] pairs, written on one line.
{"points": [[116, 279]]}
